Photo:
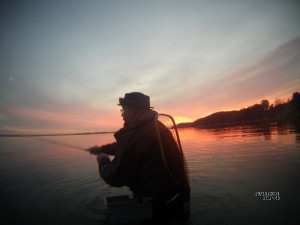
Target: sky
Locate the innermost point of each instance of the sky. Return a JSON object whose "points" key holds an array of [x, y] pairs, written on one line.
{"points": [[64, 64]]}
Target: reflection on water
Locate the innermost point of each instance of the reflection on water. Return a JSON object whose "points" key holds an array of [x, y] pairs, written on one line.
{"points": [[43, 182], [228, 166]]}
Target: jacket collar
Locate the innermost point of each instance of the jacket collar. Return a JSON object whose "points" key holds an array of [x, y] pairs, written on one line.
{"points": [[147, 116]]}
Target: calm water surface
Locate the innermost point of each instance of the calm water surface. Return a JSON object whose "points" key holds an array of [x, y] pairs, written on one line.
{"points": [[43, 182]]}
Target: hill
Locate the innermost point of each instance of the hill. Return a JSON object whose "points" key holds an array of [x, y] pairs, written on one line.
{"points": [[255, 113]]}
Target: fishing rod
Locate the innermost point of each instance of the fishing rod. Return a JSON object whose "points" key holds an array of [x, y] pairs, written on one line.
{"points": [[60, 143], [95, 150]]}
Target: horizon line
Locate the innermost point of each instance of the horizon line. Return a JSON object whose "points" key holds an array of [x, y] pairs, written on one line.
{"points": [[66, 134]]}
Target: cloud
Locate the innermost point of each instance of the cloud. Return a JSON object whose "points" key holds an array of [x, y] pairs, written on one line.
{"points": [[276, 73], [2, 117]]}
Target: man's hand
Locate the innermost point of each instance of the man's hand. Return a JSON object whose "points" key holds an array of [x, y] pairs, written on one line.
{"points": [[103, 158], [96, 150]]}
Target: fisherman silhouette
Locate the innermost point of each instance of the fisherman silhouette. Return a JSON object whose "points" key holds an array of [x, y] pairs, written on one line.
{"points": [[138, 162]]}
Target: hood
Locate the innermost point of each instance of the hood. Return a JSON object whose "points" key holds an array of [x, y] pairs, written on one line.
{"points": [[144, 118]]}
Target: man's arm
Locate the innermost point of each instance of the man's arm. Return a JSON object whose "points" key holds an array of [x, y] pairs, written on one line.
{"points": [[110, 149], [108, 171], [120, 171]]}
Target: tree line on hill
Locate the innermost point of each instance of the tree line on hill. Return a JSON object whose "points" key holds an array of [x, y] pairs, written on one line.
{"points": [[264, 111]]}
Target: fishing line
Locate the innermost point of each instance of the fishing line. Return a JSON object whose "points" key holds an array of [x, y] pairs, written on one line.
{"points": [[59, 143]]}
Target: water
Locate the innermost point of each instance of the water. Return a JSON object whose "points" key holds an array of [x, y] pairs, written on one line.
{"points": [[43, 182]]}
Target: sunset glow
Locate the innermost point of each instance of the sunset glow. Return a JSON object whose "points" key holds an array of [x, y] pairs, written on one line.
{"points": [[179, 119], [64, 65]]}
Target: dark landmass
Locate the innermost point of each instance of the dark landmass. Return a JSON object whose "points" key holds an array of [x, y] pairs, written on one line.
{"points": [[42, 135], [255, 113]]}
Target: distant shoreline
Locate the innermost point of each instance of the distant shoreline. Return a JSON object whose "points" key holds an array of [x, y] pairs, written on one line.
{"points": [[240, 123], [51, 135], [263, 112]]}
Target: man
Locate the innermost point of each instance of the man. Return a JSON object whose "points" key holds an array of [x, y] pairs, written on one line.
{"points": [[138, 161]]}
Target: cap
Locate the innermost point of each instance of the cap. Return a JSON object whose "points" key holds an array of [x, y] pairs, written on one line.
{"points": [[135, 99]]}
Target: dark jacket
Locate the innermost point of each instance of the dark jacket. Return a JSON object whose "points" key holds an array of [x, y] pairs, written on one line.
{"points": [[138, 163]]}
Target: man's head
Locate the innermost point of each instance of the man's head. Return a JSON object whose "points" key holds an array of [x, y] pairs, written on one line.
{"points": [[134, 104]]}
